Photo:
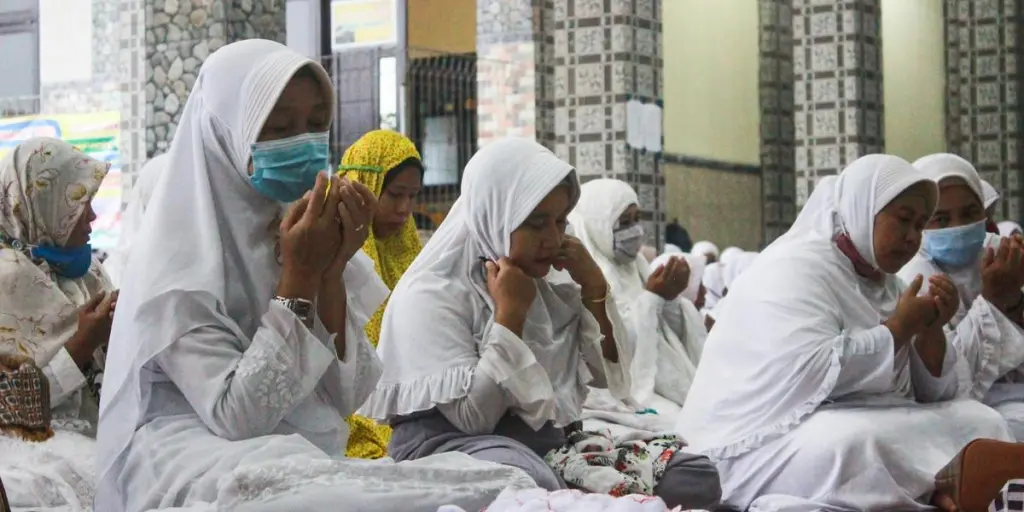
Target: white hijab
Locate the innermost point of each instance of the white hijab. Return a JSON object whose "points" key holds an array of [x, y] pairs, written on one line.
{"points": [[704, 247], [991, 195], [208, 233], [1009, 227], [440, 312], [714, 283], [697, 265], [602, 202], [939, 167], [131, 217], [739, 264], [773, 356]]}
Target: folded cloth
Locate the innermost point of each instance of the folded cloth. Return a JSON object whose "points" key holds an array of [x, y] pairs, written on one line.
{"points": [[593, 461]]}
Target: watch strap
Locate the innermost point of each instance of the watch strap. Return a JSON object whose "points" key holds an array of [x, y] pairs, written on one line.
{"points": [[301, 307]]}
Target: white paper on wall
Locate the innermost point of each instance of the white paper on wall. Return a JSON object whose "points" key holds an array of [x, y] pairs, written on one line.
{"points": [[634, 124], [652, 127]]}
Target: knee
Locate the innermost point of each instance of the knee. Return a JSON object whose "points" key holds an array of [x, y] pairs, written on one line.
{"points": [[690, 482], [529, 462]]}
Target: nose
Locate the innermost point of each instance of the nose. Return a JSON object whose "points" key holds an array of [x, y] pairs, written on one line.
{"points": [[404, 208], [90, 214]]}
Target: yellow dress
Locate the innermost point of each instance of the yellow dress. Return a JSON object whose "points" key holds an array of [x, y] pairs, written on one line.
{"points": [[368, 161]]}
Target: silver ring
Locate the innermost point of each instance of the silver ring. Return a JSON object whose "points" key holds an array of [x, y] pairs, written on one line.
{"points": [[361, 226]]}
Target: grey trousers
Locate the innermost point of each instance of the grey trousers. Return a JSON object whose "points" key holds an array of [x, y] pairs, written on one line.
{"points": [[690, 481]]}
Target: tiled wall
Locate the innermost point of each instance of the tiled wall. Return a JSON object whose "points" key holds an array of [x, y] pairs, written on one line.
{"points": [[776, 80], [982, 120], [179, 36], [606, 52], [514, 76], [838, 86]]}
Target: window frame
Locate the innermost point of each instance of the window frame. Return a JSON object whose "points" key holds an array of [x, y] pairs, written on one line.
{"points": [[19, 22]]}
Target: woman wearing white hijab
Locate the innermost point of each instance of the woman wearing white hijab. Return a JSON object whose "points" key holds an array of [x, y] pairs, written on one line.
{"points": [[714, 283], [485, 351], [1010, 228], [238, 343], [606, 219], [988, 272], [706, 249], [131, 217], [738, 264], [821, 387]]}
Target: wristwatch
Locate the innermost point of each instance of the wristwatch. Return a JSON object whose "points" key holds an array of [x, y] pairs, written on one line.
{"points": [[301, 307]]}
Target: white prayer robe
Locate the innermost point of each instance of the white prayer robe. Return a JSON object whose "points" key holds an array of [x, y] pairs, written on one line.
{"points": [[217, 396], [800, 398]]}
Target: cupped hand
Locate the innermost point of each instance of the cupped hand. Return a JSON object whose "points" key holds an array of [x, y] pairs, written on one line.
{"points": [[913, 313], [356, 208], [946, 298], [310, 239], [574, 258], [1002, 273], [670, 279], [512, 290], [94, 321]]}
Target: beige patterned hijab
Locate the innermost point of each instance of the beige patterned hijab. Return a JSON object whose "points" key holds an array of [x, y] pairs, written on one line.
{"points": [[45, 186]]}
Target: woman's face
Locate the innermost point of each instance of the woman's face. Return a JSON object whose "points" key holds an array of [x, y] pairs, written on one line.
{"points": [[629, 218], [958, 206], [302, 108], [710, 257], [80, 234], [898, 227], [536, 242], [397, 201]]}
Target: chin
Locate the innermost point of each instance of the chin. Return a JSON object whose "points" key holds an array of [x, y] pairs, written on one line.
{"points": [[537, 270], [893, 264]]}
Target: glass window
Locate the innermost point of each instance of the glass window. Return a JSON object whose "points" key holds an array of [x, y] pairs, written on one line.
{"points": [[388, 73], [441, 151], [9, 6], [19, 64]]}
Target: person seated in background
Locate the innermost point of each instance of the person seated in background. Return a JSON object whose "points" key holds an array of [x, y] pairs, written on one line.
{"points": [[388, 163], [1009, 228], [486, 352], [706, 249], [239, 341], [827, 383], [988, 272], [56, 301], [668, 342]]}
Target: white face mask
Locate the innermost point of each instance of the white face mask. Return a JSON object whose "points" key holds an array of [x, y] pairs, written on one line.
{"points": [[627, 242]]}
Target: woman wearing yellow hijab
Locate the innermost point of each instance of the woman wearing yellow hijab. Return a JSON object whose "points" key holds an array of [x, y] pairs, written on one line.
{"points": [[387, 163]]}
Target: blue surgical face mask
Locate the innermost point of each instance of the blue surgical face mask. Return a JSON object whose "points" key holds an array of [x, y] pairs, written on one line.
{"points": [[955, 247], [626, 242], [285, 169], [69, 262]]}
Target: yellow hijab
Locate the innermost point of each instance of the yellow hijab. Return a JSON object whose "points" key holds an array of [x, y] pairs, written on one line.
{"points": [[368, 161]]}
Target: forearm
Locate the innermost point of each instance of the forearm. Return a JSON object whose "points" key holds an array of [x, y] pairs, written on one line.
{"points": [[931, 348], [332, 308], [596, 302]]}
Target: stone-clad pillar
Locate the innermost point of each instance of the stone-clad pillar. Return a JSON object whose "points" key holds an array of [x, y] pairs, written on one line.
{"points": [[778, 173], [838, 86], [607, 52], [983, 121], [514, 41], [179, 36]]}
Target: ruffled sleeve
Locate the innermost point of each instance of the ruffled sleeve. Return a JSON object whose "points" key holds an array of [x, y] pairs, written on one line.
{"points": [[989, 344]]}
